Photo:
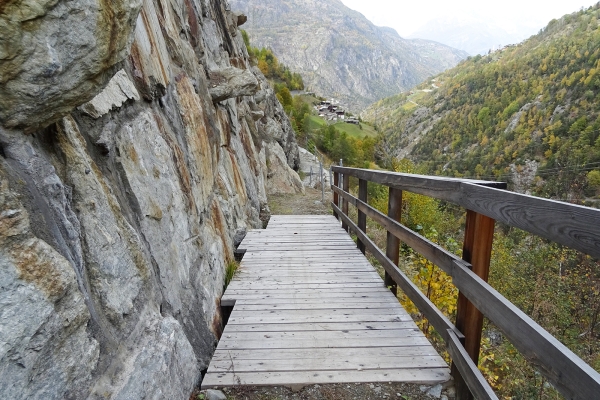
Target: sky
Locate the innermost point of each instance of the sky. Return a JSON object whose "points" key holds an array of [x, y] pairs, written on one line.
{"points": [[524, 17]]}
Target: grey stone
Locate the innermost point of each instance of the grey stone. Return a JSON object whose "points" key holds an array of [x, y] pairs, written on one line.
{"points": [[256, 115], [227, 83], [240, 234], [212, 394], [57, 54], [240, 18], [118, 91], [435, 391]]}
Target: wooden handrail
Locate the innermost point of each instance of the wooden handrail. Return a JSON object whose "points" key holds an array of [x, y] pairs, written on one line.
{"points": [[568, 224], [565, 370]]}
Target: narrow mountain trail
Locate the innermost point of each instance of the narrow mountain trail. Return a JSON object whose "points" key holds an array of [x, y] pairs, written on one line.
{"points": [[310, 203]]}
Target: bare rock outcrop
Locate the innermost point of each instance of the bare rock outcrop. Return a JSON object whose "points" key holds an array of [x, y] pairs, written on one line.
{"points": [[124, 181], [231, 82], [54, 54]]}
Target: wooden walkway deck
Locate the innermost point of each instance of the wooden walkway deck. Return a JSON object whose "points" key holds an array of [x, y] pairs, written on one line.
{"points": [[309, 308]]}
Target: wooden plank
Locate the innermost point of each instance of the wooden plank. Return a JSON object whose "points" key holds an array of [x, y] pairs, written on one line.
{"points": [[313, 300], [428, 376], [326, 306], [277, 275], [358, 352], [475, 381], [244, 269], [300, 247], [347, 326], [319, 296], [249, 285], [322, 335], [390, 311], [324, 293], [317, 318], [309, 279], [293, 276], [316, 343], [313, 241], [327, 364]]}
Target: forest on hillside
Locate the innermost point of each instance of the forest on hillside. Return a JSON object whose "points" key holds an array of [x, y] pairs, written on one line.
{"points": [[528, 114]]}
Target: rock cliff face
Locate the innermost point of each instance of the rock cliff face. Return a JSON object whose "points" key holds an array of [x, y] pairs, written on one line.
{"points": [[339, 52], [136, 141]]}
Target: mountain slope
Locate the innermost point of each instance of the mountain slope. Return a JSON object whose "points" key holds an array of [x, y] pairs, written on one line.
{"points": [[339, 52], [529, 114]]}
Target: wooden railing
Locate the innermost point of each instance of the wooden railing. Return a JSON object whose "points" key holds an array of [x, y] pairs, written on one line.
{"points": [[485, 202]]}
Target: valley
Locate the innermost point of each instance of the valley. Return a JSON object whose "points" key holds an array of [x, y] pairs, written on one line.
{"points": [[341, 54]]}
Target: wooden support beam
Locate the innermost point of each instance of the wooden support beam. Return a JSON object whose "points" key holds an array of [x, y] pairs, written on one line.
{"points": [[477, 251], [468, 369], [393, 243], [345, 188], [362, 217], [336, 200]]}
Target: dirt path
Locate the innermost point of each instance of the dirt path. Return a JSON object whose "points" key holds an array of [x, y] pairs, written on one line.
{"points": [[301, 204]]}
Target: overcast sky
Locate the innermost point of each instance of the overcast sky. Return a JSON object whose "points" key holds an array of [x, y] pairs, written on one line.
{"points": [[511, 15]]}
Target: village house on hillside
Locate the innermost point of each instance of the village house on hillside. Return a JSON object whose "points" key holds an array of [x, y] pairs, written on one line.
{"points": [[330, 111]]}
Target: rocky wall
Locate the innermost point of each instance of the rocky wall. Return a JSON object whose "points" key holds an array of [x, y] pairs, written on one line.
{"points": [[136, 143]]}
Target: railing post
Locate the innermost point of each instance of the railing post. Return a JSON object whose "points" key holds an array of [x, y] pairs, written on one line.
{"points": [[336, 199], [345, 188], [477, 250], [362, 217], [322, 181], [393, 243]]}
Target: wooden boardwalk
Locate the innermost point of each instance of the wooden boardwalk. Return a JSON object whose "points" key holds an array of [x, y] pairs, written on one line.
{"points": [[309, 308]]}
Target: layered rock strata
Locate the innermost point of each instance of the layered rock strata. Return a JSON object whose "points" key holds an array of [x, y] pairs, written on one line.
{"points": [[136, 142]]}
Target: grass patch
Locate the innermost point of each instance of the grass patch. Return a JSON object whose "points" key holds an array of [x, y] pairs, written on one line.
{"points": [[315, 122], [351, 130], [230, 270], [354, 130]]}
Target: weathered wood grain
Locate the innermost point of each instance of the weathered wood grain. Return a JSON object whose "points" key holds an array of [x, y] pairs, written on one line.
{"points": [[362, 218], [392, 250], [468, 370], [328, 364], [429, 376], [342, 326], [309, 308], [568, 224], [358, 352]]}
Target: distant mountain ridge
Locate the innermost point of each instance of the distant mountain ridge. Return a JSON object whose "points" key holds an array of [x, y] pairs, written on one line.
{"points": [[339, 52], [471, 35]]}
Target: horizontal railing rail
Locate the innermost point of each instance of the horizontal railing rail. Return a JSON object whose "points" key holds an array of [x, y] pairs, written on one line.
{"points": [[575, 226]]}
